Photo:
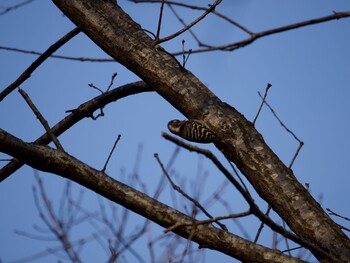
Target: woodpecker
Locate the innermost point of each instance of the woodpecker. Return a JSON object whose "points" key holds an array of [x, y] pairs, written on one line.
{"points": [[191, 130]]}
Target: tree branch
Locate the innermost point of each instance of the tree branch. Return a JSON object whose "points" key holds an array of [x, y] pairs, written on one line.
{"points": [[50, 160], [124, 40], [85, 110], [255, 36], [107, 25], [26, 74]]}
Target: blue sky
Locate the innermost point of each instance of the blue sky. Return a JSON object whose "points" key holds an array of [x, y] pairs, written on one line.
{"points": [[308, 68]]}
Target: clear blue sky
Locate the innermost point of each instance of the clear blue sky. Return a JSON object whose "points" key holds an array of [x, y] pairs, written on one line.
{"points": [[309, 69]]}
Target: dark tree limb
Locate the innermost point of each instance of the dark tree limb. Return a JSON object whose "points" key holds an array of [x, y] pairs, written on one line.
{"points": [[124, 40], [46, 159]]}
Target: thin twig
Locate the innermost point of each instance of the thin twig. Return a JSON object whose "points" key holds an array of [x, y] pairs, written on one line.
{"points": [[110, 154], [262, 225], [109, 86], [184, 24], [160, 19], [95, 87], [178, 189], [332, 213], [286, 240], [11, 8], [208, 11], [162, 181], [194, 7], [291, 249], [114, 75], [80, 59], [301, 143], [255, 36], [41, 119], [237, 174], [262, 102], [279, 120], [184, 58], [27, 73]]}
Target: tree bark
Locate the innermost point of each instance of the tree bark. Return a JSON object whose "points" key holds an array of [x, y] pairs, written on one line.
{"points": [[124, 40]]}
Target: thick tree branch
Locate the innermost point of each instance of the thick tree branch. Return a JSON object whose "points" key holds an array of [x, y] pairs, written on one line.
{"points": [[124, 40], [49, 160]]}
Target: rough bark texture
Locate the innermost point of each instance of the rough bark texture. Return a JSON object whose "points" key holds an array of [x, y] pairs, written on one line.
{"points": [[47, 159], [124, 40]]}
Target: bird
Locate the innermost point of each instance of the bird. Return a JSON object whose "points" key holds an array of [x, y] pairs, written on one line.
{"points": [[191, 130]]}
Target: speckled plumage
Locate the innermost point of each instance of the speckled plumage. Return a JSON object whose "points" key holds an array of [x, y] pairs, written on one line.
{"points": [[191, 130]]}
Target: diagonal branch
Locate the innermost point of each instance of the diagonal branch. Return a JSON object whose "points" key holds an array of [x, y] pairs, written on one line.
{"points": [[237, 137], [255, 36], [26, 74], [50, 160], [85, 110]]}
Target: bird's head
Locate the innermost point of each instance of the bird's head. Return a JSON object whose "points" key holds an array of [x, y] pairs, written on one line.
{"points": [[174, 126]]}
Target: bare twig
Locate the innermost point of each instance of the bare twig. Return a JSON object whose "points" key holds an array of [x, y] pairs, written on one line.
{"points": [[301, 143], [26, 74], [286, 240], [194, 7], [255, 36], [262, 102], [208, 11], [114, 75], [95, 87], [160, 19], [110, 154], [80, 59], [109, 86], [161, 183], [332, 213], [41, 119], [184, 24], [279, 120], [11, 8], [178, 189], [237, 174], [184, 58], [262, 225]]}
